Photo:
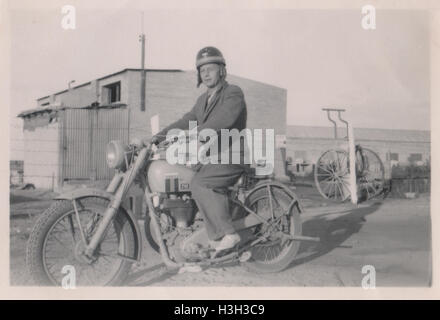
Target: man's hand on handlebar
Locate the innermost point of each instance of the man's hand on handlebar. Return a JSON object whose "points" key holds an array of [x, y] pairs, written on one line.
{"points": [[155, 140]]}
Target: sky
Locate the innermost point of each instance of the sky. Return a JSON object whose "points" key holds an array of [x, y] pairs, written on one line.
{"points": [[323, 58]]}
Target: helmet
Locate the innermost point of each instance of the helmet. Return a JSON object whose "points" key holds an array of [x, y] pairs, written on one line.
{"points": [[209, 55]]}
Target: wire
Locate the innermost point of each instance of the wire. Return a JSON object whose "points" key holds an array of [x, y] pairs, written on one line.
{"points": [[54, 165]]}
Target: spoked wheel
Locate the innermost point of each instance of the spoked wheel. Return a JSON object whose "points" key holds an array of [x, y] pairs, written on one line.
{"points": [[370, 173], [277, 250], [56, 245], [332, 175]]}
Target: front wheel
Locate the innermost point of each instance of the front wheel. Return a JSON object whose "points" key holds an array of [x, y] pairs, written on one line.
{"points": [[55, 246], [277, 251]]}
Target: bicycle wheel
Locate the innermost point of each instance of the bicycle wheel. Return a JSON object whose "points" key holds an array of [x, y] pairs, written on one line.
{"points": [[371, 174], [332, 175]]}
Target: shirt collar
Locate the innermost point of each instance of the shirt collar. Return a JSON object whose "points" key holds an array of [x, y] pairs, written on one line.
{"points": [[216, 90]]}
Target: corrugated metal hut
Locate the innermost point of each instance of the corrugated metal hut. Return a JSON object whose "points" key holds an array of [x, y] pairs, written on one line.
{"points": [[68, 143]]}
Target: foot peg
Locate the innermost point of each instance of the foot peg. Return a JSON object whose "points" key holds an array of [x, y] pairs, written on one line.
{"points": [[229, 241]]}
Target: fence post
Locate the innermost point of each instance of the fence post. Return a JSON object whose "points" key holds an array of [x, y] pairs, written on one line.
{"points": [[62, 146], [352, 156], [388, 166]]}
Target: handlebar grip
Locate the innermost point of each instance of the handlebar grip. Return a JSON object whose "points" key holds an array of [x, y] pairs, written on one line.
{"points": [[155, 140]]}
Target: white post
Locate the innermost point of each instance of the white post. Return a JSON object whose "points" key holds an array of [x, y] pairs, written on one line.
{"points": [[154, 122], [352, 157]]}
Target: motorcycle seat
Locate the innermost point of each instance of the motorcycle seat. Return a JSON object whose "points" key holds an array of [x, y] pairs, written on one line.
{"points": [[248, 174], [251, 172]]}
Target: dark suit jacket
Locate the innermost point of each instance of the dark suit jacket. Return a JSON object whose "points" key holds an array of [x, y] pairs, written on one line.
{"points": [[226, 110]]}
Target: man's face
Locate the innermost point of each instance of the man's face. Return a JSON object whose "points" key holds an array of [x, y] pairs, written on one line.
{"points": [[210, 74]]}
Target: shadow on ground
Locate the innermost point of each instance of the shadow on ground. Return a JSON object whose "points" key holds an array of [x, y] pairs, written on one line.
{"points": [[136, 278], [333, 229]]}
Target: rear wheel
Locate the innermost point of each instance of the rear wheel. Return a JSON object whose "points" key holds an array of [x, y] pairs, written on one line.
{"points": [[277, 250], [56, 243]]}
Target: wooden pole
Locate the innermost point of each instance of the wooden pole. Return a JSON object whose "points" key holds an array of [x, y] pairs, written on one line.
{"points": [[142, 39], [352, 156]]}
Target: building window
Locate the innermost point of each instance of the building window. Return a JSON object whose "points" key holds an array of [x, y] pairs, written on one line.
{"points": [[394, 156], [45, 104], [114, 92], [413, 157], [300, 155]]}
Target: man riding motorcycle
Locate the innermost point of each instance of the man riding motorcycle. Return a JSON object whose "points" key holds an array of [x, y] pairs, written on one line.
{"points": [[222, 106], [93, 231]]}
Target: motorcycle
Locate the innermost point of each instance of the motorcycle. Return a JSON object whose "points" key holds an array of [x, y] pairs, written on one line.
{"points": [[94, 231]]}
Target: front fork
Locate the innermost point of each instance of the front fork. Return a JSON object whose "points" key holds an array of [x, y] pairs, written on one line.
{"points": [[121, 191]]}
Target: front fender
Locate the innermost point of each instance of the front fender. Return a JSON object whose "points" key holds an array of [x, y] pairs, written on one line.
{"points": [[83, 193], [92, 192]]}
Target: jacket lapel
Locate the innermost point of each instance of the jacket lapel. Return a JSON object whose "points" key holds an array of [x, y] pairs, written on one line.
{"points": [[210, 106]]}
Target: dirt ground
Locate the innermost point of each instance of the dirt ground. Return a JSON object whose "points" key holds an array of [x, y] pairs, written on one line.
{"points": [[393, 235]]}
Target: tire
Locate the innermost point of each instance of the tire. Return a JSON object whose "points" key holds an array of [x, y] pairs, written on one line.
{"points": [[37, 259], [289, 251]]}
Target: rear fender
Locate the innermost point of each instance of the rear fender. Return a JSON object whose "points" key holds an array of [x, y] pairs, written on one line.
{"points": [[265, 183], [81, 193]]}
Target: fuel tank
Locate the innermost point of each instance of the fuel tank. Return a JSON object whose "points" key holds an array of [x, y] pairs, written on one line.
{"points": [[164, 177]]}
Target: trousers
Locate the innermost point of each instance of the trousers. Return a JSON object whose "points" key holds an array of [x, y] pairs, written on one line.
{"points": [[206, 188]]}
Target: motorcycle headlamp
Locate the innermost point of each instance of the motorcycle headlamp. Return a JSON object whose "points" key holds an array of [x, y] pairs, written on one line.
{"points": [[116, 150]]}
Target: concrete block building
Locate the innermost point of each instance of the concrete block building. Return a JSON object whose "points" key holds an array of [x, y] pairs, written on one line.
{"points": [[66, 135], [305, 145]]}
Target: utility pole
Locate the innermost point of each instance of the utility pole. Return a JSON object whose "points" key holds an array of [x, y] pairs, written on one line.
{"points": [[142, 40], [70, 83]]}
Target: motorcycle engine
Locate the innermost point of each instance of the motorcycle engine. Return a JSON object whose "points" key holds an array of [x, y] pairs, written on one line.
{"points": [[181, 210], [186, 243], [181, 226]]}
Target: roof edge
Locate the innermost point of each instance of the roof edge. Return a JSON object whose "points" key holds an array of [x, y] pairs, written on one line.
{"points": [[356, 128], [29, 112], [111, 75], [245, 78]]}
